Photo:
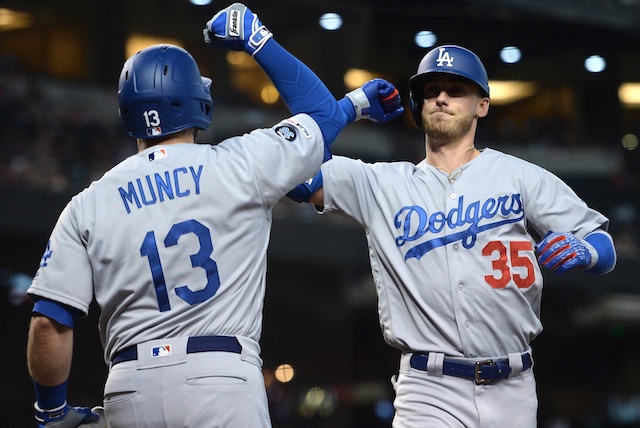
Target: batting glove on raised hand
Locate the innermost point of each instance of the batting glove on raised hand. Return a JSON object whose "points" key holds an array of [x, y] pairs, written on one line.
{"points": [[561, 251], [376, 100], [236, 28], [67, 416]]}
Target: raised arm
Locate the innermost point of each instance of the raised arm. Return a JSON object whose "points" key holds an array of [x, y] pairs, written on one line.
{"points": [[378, 101], [238, 28]]}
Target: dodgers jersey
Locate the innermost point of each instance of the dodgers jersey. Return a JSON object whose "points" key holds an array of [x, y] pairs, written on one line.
{"points": [[173, 240], [453, 260]]}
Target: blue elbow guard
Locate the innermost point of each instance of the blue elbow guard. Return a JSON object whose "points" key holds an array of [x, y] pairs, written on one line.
{"points": [[603, 245], [303, 192]]}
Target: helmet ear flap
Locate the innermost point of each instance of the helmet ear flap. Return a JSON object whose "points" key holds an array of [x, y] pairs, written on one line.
{"points": [[415, 107]]}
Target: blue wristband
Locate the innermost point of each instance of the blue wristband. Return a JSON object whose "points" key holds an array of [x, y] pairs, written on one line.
{"points": [[603, 245], [50, 397]]}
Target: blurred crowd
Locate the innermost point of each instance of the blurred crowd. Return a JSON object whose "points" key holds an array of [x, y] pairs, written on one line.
{"points": [[56, 144]]}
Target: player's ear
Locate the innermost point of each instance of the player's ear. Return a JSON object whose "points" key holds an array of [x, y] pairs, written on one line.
{"points": [[483, 107]]}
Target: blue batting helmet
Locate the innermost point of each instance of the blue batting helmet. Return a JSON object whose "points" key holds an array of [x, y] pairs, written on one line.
{"points": [[161, 92], [450, 59]]}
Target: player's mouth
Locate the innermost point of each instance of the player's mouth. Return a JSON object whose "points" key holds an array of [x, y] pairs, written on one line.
{"points": [[440, 113]]}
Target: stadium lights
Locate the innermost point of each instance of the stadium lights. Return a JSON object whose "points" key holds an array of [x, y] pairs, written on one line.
{"points": [[630, 142], [629, 94], [284, 373], [595, 64], [269, 94], [510, 54], [136, 42], [425, 39], [331, 21], [355, 77], [14, 20], [509, 91]]}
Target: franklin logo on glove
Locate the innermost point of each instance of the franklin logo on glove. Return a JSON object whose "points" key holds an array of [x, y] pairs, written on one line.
{"points": [[234, 28]]}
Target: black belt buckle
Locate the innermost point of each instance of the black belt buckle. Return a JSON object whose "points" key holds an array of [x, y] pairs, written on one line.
{"points": [[478, 372]]}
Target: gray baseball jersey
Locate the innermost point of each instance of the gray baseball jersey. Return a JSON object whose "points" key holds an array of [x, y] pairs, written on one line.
{"points": [[173, 240], [453, 257]]}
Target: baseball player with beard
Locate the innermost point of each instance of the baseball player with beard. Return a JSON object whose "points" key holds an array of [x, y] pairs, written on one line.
{"points": [[172, 241], [455, 245]]}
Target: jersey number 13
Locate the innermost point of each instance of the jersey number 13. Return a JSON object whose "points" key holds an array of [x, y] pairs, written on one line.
{"points": [[201, 259]]}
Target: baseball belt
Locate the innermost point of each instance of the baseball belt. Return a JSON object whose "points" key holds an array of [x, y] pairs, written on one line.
{"points": [[481, 372], [194, 344]]}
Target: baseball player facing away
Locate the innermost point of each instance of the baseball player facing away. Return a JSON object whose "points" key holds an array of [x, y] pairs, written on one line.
{"points": [[172, 241], [452, 244]]}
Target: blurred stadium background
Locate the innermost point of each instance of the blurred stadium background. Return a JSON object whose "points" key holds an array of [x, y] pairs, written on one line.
{"points": [[570, 74]]}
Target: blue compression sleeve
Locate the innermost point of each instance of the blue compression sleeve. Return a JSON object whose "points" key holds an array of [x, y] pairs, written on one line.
{"points": [[50, 397], [347, 107], [302, 90], [61, 314], [603, 244]]}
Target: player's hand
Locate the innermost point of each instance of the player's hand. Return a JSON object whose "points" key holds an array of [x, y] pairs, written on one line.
{"points": [[236, 28], [101, 422], [377, 100], [561, 251], [67, 416]]}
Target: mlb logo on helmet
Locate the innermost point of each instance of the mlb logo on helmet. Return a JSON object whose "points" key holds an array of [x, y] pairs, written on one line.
{"points": [[161, 351], [154, 132]]}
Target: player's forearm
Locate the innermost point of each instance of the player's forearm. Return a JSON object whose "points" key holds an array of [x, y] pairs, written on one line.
{"points": [[301, 89], [49, 351]]}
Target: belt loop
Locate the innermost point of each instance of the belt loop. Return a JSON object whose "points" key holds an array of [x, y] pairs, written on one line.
{"points": [[515, 362], [435, 364]]}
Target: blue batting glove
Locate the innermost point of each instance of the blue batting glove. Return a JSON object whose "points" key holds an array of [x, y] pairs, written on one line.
{"points": [[101, 422], [377, 100], [561, 251], [236, 28], [65, 416]]}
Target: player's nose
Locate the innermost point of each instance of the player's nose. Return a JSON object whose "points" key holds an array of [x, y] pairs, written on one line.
{"points": [[442, 98]]}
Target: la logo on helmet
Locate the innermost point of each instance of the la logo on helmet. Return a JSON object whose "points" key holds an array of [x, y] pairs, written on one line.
{"points": [[443, 56]]}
